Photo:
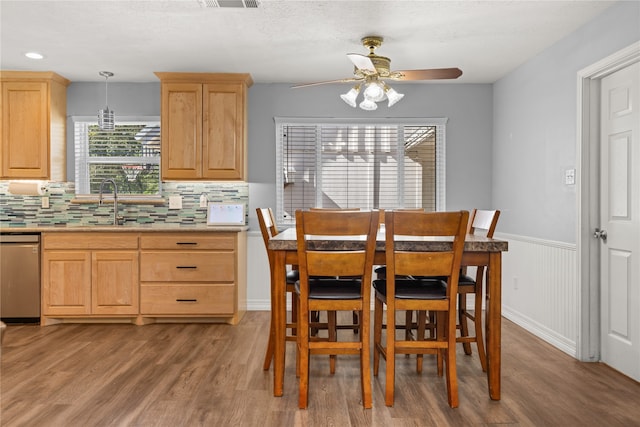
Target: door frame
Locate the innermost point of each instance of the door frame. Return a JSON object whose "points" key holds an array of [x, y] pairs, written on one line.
{"points": [[588, 197]]}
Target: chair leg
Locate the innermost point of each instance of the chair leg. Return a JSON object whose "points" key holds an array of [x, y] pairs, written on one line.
{"points": [[462, 320], [303, 353], [377, 334], [390, 357], [355, 322], [441, 326], [271, 344], [451, 374], [365, 358], [294, 312], [478, 326], [408, 325], [333, 336], [420, 336], [315, 318]]}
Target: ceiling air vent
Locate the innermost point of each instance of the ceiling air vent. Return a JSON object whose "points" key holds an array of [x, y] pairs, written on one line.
{"points": [[245, 4]]}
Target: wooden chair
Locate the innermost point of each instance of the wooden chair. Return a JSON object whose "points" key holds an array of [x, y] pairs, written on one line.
{"points": [[269, 229], [322, 286], [427, 295], [481, 222]]}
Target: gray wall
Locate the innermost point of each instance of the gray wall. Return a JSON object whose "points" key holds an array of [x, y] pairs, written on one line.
{"points": [[125, 99], [535, 121], [469, 108]]}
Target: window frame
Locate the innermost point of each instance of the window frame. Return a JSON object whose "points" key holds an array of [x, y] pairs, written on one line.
{"points": [[82, 168], [439, 123]]}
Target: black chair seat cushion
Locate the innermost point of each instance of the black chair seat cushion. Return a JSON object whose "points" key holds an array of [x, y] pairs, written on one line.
{"points": [[293, 276], [415, 289], [463, 279], [332, 289]]}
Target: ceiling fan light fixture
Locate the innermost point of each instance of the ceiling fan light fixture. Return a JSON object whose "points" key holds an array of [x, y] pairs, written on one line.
{"points": [[368, 105], [350, 97], [374, 91], [106, 117], [393, 96]]}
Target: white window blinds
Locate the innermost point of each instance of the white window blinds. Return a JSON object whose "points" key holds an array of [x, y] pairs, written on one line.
{"points": [[130, 155], [366, 164]]}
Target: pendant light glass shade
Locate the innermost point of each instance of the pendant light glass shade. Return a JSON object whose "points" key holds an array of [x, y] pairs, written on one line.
{"points": [[106, 117]]}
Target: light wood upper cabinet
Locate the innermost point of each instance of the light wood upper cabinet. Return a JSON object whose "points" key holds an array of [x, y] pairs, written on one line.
{"points": [[33, 125], [204, 119]]}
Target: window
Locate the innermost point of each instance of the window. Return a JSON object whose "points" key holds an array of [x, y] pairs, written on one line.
{"points": [[130, 155], [369, 164]]}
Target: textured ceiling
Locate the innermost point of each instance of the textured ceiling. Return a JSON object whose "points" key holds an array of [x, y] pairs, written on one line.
{"points": [[280, 41]]}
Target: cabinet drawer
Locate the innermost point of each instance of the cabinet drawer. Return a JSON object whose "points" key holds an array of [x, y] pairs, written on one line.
{"points": [[90, 240], [189, 241], [193, 266], [215, 299]]}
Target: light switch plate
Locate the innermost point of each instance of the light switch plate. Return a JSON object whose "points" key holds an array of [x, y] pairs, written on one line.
{"points": [[570, 176], [175, 202], [45, 202]]}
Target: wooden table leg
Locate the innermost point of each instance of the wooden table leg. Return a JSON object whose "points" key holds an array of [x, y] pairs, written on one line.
{"points": [[493, 323], [279, 316]]}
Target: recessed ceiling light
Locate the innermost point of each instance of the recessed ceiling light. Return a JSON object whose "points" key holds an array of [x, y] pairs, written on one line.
{"points": [[34, 55]]}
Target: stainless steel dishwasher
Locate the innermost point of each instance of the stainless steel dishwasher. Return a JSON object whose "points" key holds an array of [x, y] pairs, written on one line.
{"points": [[20, 278]]}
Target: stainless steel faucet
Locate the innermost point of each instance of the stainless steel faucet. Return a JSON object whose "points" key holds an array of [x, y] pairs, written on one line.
{"points": [[116, 219]]}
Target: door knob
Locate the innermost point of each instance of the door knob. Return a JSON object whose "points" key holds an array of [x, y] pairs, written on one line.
{"points": [[600, 234]]}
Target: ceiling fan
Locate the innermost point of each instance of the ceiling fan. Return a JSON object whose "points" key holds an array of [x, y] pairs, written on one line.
{"points": [[372, 70]]}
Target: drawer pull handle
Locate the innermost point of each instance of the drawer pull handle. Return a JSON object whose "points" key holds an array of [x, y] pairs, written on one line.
{"points": [[187, 266], [186, 300], [187, 243]]}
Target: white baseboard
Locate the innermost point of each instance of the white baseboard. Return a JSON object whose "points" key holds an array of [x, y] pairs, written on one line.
{"points": [[542, 332]]}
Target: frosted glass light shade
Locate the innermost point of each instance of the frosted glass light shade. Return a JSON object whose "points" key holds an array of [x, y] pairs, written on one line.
{"points": [[374, 92], [393, 96], [350, 97], [368, 105]]}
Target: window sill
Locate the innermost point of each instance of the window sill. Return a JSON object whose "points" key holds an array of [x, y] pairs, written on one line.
{"points": [[140, 200]]}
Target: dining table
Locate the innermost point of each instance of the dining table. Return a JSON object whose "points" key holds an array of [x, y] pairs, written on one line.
{"points": [[478, 251]]}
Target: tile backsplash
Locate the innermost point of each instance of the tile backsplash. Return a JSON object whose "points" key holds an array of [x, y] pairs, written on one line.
{"points": [[21, 211]]}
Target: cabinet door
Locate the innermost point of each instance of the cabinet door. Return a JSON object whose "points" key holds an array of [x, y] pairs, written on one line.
{"points": [[25, 130], [181, 130], [223, 131], [114, 282], [66, 282]]}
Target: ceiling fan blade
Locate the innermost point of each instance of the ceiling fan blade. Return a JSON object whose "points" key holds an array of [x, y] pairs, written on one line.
{"points": [[430, 74], [362, 62], [347, 80]]}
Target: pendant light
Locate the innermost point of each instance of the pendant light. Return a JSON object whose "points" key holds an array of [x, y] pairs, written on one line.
{"points": [[106, 117]]}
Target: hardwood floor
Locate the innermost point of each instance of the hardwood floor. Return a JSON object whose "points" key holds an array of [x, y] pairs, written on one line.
{"points": [[211, 375]]}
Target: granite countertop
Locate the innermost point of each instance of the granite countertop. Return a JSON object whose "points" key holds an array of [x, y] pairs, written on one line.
{"points": [[123, 228]]}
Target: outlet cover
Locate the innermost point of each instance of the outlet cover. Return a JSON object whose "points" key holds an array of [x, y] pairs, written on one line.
{"points": [[175, 202]]}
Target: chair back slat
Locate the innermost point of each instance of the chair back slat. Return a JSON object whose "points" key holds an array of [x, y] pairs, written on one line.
{"points": [[483, 220], [360, 227], [444, 262]]}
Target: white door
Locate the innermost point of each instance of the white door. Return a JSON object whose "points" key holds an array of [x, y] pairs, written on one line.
{"points": [[620, 218]]}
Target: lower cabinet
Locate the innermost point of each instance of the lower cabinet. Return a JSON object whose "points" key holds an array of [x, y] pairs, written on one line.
{"points": [[191, 274], [89, 274], [143, 277]]}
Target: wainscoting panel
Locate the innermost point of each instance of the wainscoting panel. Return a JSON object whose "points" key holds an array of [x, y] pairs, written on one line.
{"points": [[258, 281], [540, 289]]}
